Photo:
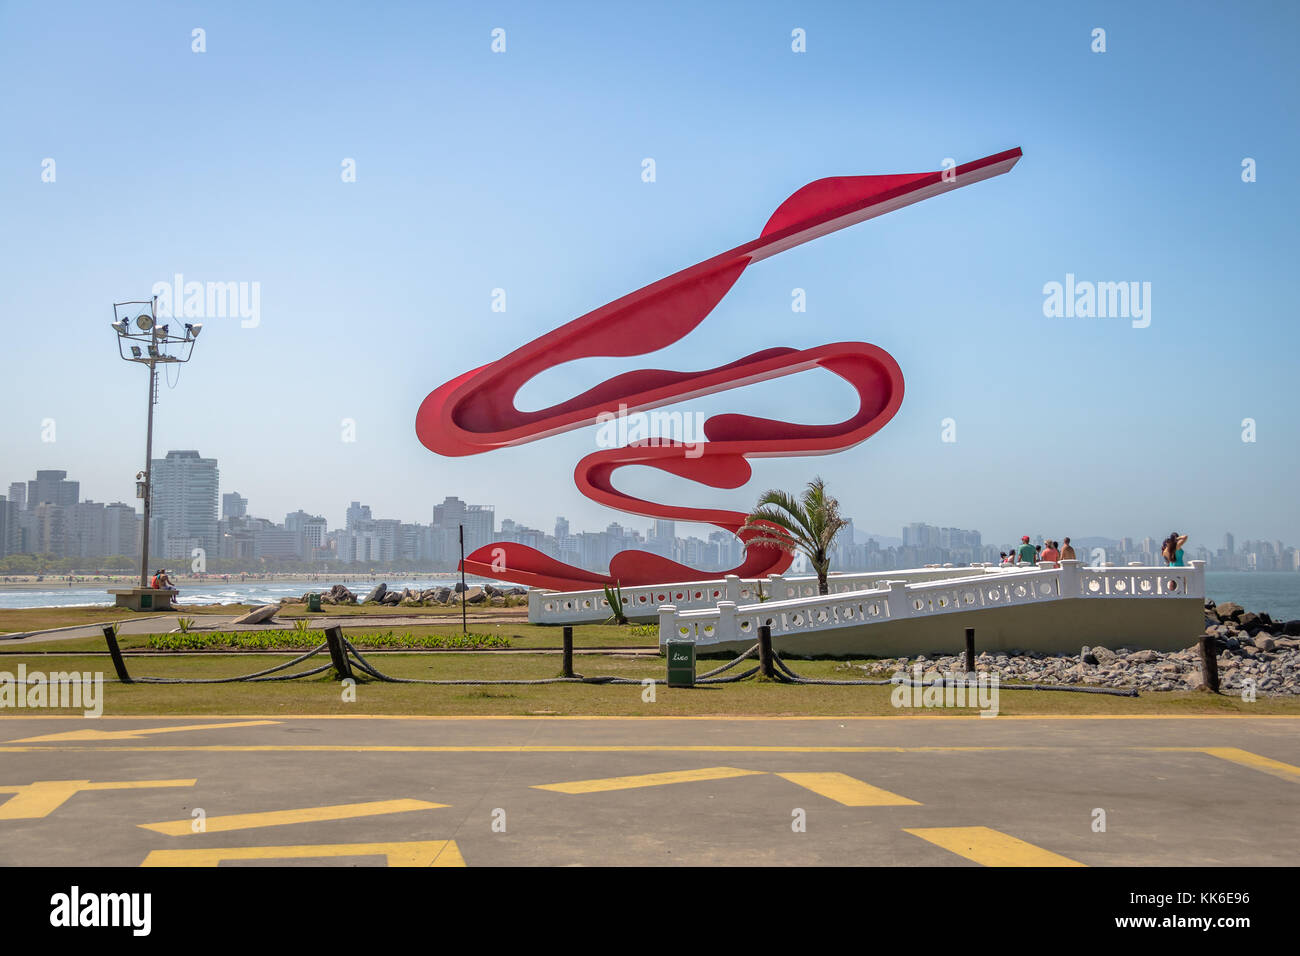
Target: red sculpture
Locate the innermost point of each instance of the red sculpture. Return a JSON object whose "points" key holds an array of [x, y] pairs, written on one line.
{"points": [[476, 412]]}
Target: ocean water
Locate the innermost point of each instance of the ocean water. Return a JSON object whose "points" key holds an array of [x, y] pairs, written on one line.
{"points": [[210, 592], [1277, 592]]}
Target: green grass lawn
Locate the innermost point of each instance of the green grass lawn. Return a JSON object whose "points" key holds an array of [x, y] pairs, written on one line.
{"points": [[322, 695]]}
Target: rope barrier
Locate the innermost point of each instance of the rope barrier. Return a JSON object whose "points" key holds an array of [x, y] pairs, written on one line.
{"points": [[254, 677], [782, 670], [374, 672]]}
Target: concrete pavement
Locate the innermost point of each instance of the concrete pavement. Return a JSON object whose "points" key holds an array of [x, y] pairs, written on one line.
{"points": [[891, 791]]}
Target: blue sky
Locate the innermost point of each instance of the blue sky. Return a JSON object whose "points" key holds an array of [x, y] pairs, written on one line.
{"points": [[522, 170]]}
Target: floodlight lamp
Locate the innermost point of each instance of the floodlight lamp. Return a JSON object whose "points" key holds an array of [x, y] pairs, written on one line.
{"points": [[193, 330], [153, 351], [144, 322], [135, 351]]}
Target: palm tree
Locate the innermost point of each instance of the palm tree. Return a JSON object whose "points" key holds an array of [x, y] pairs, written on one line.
{"points": [[808, 524]]}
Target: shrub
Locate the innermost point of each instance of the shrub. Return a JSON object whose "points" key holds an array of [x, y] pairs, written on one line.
{"points": [[303, 639]]}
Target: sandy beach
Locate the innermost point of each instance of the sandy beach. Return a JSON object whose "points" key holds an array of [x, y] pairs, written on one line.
{"points": [[309, 580]]}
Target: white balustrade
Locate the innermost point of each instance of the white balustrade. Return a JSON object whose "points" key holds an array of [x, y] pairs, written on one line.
{"points": [[573, 607], [900, 599]]}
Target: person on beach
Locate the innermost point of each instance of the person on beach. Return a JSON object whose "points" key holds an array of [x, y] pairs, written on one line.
{"points": [[1172, 551], [1067, 552], [1026, 554]]}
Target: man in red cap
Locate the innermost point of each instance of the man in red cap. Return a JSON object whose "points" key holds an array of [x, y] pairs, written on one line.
{"points": [[1026, 553]]}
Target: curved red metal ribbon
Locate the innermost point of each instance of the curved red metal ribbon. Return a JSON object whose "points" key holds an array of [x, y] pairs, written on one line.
{"points": [[476, 412]]}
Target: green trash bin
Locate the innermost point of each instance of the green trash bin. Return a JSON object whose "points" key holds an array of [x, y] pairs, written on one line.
{"points": [[681, 663], [313, 602]]}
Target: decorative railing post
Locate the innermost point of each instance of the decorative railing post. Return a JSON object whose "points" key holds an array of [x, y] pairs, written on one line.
{"points": [[900, 605], [534, 604], [1196, 580], [727, 629], [733, 588], [1071, 587], [667, 623], [777, 589]]}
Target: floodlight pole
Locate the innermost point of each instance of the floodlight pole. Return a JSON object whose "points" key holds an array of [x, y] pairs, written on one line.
{"points": [[157, 342], [148, 468]]}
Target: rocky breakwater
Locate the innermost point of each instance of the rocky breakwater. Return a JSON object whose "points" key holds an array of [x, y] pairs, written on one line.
{"points": [[475, 594], [1254, 651], [338, 594]]}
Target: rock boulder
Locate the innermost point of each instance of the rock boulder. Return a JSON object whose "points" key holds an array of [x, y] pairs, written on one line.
{"points": [[1229, 611], [258, 615]]}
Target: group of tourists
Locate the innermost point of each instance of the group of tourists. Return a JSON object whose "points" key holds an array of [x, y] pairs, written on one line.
{"points": [[1171, 552], [162, 581], [1031, 554]]}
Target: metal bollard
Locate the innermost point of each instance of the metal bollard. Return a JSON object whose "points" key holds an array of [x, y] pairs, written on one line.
{"points": [[765, 666], [115, 652], [338, 653], [1210, 662], [970, 650], [568, 652]]}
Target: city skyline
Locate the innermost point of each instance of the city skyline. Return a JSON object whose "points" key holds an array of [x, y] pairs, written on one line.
{"points": [[49, 510]]}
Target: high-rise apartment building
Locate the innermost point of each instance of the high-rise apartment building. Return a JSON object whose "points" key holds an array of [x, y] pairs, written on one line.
{"points": [[121, 529], [185, 503], [310, 530], [479, 522], [357, 512], [52, 487]]}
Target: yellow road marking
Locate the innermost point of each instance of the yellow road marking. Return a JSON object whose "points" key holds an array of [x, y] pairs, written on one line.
{"points": [[1247, 759], [717, 717], [510, 749], [646, 780], [414, 853], [275, 818], [990, 847], [135, 734], [41, 798], [847, 790]]}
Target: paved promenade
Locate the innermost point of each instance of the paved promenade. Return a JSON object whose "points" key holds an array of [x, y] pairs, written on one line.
{"points": [[894, 791]]}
